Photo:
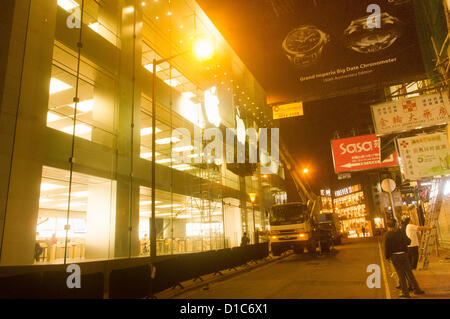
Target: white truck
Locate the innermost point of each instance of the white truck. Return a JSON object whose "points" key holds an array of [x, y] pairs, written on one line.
{"points": [[296, 226]]}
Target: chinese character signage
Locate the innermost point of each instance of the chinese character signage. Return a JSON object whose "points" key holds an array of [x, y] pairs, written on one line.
{"points": [[287, 110], [408, 114], [424, 156], [359, 153]]}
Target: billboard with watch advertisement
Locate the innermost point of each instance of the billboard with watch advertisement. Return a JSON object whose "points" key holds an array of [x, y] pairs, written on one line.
{"points": [[321, 48]]}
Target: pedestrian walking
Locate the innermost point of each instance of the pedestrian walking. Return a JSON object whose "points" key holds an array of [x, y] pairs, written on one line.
{"points": [[396, 250], [363, 230], [413, 248], [245, 240]]}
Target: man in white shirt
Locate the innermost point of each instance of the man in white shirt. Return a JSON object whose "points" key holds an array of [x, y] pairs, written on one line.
{"points": [[413, 248]]}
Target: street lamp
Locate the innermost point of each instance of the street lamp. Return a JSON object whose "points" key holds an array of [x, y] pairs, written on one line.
{"points": [[252, 199], [305, 171], [203, 49]]}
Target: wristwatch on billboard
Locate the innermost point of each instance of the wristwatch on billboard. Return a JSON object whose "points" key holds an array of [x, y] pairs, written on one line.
{"points": [[303, 45], [364, 39]]}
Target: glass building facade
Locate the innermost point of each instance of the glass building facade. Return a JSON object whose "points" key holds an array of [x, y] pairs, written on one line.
{"points": [[76, 133]]}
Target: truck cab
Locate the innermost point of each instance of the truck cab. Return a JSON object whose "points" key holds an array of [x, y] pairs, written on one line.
{"points": [[292, 226]]}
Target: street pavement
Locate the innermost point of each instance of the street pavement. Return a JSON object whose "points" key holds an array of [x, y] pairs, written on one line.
{"points": [[341, 275]]}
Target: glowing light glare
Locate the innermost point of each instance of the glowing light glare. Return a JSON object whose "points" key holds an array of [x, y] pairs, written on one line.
{"points": [[169, 205], [128, 10], [58, 86], [84, 106], [252, 197], [447, 188], [78, 194], [163, 161], [148, 131], [67, 5], [45, 200], [212, 106], [182, 167], [305, 171], [203, 49]]}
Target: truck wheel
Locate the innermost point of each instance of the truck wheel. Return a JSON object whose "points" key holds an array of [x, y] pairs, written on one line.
{"points": [[311, 247], [325, 247], [276, 251]]}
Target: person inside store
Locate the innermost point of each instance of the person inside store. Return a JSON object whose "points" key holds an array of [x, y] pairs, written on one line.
{"points": [[38, 250], [363, 230], [413, 248], [245, 240], [396, 250]]}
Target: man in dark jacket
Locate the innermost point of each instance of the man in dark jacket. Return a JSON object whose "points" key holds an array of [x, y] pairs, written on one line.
{"points": [[396, 249]]}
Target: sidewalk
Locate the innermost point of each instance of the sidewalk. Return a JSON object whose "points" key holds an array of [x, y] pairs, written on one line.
{"points": [[435, 281], [190, 285]]}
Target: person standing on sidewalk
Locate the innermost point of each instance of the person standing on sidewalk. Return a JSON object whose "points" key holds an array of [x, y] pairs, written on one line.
{"points": [[413, 248], [396, 250]]}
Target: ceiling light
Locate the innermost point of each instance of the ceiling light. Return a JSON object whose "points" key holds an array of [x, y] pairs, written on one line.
{"points": [[172, 82], [67, 5], [164, 160], [148, 202], [148, 131], [49, 187], [45, 200], [148, 154], [58, 86], [167, 140], [84, 106], [169, 13], [182, 167], [150, 67], [79, 129], [181, 26], [157, 18], [94, 26], [183, 148], [169, 205], [52, 117]]}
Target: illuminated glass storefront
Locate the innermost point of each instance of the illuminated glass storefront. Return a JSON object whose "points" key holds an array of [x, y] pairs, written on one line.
{"points": [[350, 205], [78, 163]]}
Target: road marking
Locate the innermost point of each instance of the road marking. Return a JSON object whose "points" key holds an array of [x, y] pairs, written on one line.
{"points": [[386, 284]]}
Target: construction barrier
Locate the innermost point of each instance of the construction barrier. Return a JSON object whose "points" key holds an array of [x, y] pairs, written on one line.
{"points": [[136, 282]]}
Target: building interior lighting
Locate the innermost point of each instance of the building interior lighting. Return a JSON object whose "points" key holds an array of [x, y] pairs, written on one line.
{"points": [[77, 194], [94, 26], [58, 86], [84, 106], [148, 154], [45, 200], [72, 204], [183, 148], [164, 160], [80, 129], [168, 205], [172, 82], [148, 131], [49, 187], [148, 202], [67, 5], [167, 140], [203, 49], [149, 67], [53, 117], [182, 167]]}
